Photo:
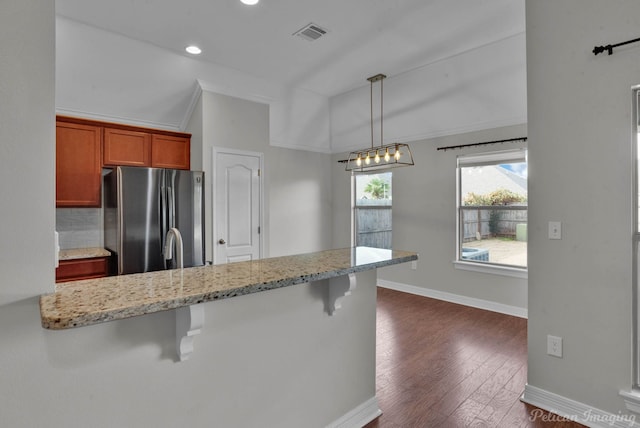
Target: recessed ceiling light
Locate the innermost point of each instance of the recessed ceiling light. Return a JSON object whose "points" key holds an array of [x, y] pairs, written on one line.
{"points": [[249, 2], [193, 50]]}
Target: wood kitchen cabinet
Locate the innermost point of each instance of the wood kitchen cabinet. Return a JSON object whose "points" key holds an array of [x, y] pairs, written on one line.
{"points": [[84, 146], [73, 270], [78, 164], [126, 147], [169, 151], [140, 147]]}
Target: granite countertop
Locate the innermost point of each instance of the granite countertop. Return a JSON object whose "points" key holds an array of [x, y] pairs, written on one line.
{"points": [[92, 301], [82, 253]]}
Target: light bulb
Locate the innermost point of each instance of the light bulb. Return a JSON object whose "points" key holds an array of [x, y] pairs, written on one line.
{"points": [[377, 158], [359, 160], [386, 155], [367, 160], [397, 154]]}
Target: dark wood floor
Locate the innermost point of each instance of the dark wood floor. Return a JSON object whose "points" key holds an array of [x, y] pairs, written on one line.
{"points": [[445, 365]]}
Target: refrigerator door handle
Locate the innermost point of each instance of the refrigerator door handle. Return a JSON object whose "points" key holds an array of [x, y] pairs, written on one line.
{"points": [[119, 220], [198, 221], [163, 213], [172, 207]]}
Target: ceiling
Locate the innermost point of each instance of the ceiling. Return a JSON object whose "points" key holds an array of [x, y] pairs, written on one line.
{"points": [[364, 37], [454, 66]]}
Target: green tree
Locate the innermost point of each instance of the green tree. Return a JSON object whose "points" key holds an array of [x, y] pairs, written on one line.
{"points": [[377, 188]]}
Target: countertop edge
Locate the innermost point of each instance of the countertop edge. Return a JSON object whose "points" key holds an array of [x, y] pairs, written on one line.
{"points": [[70, 254], [53, 322]]}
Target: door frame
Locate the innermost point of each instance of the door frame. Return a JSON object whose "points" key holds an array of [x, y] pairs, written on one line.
{"points": [[214, 157]]}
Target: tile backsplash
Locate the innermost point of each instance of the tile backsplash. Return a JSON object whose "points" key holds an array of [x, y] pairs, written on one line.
{"points": [[79, 227]]}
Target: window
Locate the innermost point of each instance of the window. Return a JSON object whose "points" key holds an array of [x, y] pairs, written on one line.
{"points": [[372, 210], [492, 209], [632, 398], [635, 237]]}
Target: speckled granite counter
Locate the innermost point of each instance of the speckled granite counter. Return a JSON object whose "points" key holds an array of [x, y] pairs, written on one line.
{"points": [[81, 303], [82, 253]]}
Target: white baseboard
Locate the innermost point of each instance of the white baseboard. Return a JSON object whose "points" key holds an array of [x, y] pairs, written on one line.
{"points": [[456, 298], [631, 399], [574, 410], [359, 416]]}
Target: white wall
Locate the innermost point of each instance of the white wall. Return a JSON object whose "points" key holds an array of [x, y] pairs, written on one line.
{"points": [[27, 151], [483, 88], [107, 76], [579, 109], [27, 188], [424, 220], [298, 208]]}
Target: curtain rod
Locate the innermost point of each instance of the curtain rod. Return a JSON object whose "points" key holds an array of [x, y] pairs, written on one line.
{"points": [[510, 140], [609, 48]]}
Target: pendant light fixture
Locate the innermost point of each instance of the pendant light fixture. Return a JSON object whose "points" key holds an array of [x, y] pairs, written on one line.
{"points": [[383, 156]]}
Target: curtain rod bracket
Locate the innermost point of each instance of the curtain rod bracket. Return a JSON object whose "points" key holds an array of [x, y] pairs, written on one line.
{"points": [[609, 48], [600, 49]]}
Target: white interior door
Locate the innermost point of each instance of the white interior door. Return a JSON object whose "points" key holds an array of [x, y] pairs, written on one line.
{"points": [[237, 200]]}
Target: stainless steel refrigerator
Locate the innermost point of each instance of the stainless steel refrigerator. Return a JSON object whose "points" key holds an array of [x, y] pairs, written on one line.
{"points": [[141, 205]]}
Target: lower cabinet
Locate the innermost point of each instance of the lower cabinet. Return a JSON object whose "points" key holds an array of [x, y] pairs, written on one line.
{"points": [[72, 270]]}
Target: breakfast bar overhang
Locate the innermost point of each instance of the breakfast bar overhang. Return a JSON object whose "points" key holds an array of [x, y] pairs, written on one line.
{"points": [[272, 346]]}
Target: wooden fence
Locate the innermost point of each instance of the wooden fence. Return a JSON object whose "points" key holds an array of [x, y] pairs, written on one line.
{"points": [[488, 222], [373, 226]]}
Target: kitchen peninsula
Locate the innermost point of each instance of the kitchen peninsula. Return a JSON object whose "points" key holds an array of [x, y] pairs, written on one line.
{"points": [[93, 301], [273, 350]]}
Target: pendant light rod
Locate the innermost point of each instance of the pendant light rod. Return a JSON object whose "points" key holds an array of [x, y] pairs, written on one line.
{"points": [[377, 78], [381, 107], [371, 108]]}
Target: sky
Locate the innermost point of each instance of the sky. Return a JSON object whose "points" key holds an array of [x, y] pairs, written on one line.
{"points": [[517, 168]]}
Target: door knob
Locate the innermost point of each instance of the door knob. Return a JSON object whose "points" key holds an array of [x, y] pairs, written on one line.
{"points": [[221, 241]]}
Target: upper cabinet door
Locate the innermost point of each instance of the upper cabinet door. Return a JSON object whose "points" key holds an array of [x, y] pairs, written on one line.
{"points": [[126, 147], [78, 165], [170, 151]]}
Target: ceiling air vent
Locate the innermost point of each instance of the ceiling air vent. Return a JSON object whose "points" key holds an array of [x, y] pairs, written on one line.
{"points": [[311, 32]]}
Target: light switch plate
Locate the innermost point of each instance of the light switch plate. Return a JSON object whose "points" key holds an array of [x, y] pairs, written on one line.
{"points": [[555, 230]]}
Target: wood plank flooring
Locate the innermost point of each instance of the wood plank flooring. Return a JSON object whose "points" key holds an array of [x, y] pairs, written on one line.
{"points": [[445, 365]]}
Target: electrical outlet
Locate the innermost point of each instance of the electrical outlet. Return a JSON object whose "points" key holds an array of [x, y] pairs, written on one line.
{"points": [[414, 264], [554, 346]]}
